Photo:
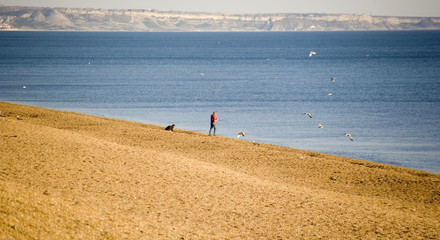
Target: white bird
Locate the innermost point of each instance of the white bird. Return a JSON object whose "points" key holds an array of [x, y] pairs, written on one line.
{"points": [[330, 94], [312, 53], [332, 79], [348, 135], [24, 86], [240, 134], [320, 126], [18, 117], [308, 114]]}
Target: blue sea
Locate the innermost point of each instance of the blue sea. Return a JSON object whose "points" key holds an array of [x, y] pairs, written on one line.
{"points": [[386, 91]]}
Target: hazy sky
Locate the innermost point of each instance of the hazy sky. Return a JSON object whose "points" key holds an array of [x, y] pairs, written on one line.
{"points": [[422, 8]]}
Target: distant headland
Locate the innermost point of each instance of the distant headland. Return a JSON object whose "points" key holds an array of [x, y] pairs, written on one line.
{"points": [[149, 20]]}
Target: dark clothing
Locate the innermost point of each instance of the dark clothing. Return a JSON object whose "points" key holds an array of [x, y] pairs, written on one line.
{"points": [[170, 128], [212, 126]]}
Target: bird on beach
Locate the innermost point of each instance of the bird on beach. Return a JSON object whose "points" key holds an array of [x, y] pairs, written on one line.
{"points": [[312, 53], [348, 135], [18, 117], [240, 134], [320, 126], [308, 114]]}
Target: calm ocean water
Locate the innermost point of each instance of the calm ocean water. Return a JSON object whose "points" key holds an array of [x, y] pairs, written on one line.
{"points": [[386, 92]]}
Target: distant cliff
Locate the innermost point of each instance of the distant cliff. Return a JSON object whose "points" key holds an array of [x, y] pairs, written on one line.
{"points": [[75, 19]]}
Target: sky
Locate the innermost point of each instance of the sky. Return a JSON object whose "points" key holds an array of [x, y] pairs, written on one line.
{"points": [[413, 8]]}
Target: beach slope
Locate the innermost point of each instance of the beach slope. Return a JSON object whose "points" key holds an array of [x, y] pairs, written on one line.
{"points": [[72, 176]]}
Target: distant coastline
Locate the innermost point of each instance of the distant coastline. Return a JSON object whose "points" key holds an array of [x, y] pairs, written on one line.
{"points": [[149, 20]]}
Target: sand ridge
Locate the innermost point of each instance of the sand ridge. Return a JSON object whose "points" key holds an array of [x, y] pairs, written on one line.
{"points": [[68, 175]]}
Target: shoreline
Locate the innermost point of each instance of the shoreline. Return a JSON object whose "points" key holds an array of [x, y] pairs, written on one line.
{"points": [[67, 174], [159, 119], [150, 20]]}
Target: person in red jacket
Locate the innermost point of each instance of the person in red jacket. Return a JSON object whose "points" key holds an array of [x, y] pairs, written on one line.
{"points": [[213, 121]]}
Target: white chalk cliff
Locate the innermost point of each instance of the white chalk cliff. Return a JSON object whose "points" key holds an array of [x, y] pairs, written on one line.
{"points": [[75, 19]]}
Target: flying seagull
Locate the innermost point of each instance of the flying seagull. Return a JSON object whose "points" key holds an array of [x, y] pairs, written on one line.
{"points": [[240, 134], [348, 135], [308, 114], [311, 53]]}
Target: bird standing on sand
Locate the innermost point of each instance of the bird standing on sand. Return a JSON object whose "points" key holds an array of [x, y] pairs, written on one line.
{"points": [[312, 53], [308, 114], [18, 117], [348, 135], [240, 134]]}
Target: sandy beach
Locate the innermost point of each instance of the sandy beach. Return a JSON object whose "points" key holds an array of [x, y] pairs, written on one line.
{"points": [[73, 176]]}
